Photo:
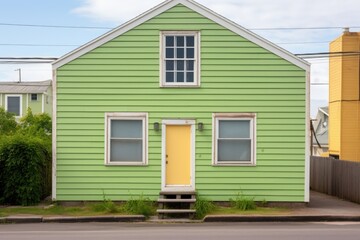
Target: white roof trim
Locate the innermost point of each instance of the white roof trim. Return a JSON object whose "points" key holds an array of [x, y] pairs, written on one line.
{"points": [[321, 110], [195, 7]]}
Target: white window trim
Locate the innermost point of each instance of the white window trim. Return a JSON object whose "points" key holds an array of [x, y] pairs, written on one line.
{"points": [[42, 103], [126, 116], [13, 95], [197, 58], [234, 116]]}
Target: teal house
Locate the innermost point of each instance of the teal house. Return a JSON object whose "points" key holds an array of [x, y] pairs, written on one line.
{"points": [[17, 97], [183, 100]]}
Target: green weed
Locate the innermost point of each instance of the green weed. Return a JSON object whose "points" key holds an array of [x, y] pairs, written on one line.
{"points": [[141, 205], [203, 207], [243, 203]]}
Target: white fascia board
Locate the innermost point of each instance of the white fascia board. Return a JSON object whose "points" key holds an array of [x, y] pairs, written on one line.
{"points": [[325, 113], [54, 122], [262, 42], [307, 141], [195, 7]]}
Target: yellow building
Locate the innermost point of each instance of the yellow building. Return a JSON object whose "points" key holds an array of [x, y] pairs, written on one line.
{"points": [[344, 97]]}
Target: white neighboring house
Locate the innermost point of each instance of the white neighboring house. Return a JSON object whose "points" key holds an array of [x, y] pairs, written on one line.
{"points": [[320, 140], [17, 97]]}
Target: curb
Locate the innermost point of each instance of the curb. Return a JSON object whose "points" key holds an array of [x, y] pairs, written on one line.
{"points": [[67, 219], [298, 218], [22, 219]]}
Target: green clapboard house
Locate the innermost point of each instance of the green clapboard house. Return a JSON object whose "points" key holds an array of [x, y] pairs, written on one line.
{"points": [[17, 97], [180, 99]]}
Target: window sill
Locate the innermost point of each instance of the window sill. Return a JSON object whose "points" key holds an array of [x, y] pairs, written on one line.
{"points": [[234, 164], [126, 164], [179, 86]]}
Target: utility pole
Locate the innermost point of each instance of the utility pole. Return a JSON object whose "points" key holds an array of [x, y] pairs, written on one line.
{"points": [[19, 74]]}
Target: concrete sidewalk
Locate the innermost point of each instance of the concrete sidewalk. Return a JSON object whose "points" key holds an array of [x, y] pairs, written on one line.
{"points": [[321, 208]]}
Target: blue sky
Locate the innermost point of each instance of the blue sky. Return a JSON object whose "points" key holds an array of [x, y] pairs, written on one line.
{"points": [[111, 13]]}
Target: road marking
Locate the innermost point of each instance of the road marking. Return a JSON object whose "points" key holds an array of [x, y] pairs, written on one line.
{"points": [[339, 223]]}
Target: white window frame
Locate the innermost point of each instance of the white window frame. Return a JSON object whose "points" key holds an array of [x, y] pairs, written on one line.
{"points": [[234, 116], [37, 97], [126, 116], [14, 95], [196, 35]]}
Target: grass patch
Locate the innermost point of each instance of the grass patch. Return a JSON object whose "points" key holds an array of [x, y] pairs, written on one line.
{"points": [[203, 207], [140, 206], [106, 206], [243, 203], [90, 209], [257, 211]]}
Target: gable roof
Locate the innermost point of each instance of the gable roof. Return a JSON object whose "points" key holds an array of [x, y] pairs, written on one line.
{"points": [[243, 32], [24, 87]]}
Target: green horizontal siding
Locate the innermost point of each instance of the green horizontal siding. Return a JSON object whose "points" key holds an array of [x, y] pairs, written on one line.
{"points": [[236, 76]]}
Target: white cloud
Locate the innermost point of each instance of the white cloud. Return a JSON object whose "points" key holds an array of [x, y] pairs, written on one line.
{"points": [[114, 11], [249, 13]]}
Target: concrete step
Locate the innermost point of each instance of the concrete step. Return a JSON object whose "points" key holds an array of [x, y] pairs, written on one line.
{"points": [[176, 211], [177, 193], [170, 200]]}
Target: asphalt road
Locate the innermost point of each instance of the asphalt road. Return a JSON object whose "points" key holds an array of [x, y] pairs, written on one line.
{"points": [[198, 231]]}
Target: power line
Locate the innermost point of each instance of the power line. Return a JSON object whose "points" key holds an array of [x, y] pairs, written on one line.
{"points": [[109, 28], [73, 45], [26, 60], [299, 43], [299, 28], [37, 45], [52, 26], [327, 54]]}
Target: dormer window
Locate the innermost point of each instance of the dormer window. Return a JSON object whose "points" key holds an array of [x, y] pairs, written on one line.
{"points": [[180, 59]]}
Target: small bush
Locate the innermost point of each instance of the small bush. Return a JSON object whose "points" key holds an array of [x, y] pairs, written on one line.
{"points": [[8, 124], [203, 207], [243, 203], [36, 124], [23, 160], [142, 206]]}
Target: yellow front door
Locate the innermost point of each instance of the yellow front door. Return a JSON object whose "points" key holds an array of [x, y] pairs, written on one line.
{"points": [[178, 155]]}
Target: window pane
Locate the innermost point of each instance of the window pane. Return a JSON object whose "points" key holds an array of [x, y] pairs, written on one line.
{"points": [[190, 65], [190, 52], [34, 97], [180, 53], [190, 77], [234, 128], [126, 128], [13, 105], [126, 151], [190, 41], [169, 41], [170, 65], [180, 65], [180, 41], [169, 77], [234, 150], [169, 52], [180, 77]]}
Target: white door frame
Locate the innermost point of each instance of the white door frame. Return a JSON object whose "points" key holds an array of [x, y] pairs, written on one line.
{"points": [[192, 155]]}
